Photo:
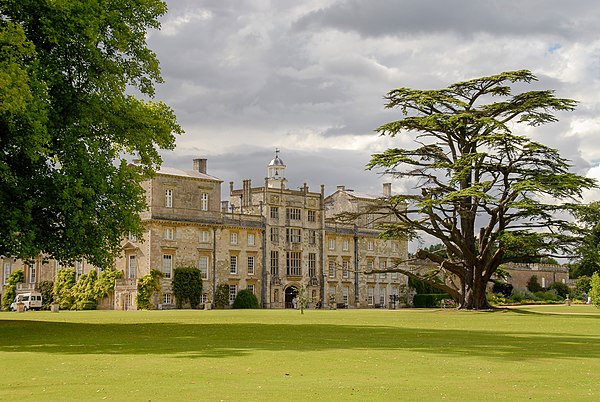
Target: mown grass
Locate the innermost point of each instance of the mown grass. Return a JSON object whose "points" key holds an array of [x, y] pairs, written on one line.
{"points": [[533, 353]]}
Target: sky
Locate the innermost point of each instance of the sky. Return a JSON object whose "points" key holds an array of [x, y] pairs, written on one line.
{"points": [[309, 77]]}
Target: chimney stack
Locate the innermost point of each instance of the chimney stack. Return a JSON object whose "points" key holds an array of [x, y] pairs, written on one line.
{"points": [[200, 165], [387, 189], [341, 188]]}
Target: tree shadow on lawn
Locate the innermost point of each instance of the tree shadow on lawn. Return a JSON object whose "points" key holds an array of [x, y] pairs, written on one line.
{"points": [[226, 340]]}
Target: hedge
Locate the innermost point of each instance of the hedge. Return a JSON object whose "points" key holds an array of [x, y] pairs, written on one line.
{"points": [[429, 299]]}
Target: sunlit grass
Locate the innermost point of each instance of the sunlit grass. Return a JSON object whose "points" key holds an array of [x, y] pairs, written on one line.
{"points": [[534, 353]]}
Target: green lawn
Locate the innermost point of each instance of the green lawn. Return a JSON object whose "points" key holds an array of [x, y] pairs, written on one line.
{"points": [[533, 353]]}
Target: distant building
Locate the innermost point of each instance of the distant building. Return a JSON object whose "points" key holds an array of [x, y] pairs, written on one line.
{"points": [[547, 274]]}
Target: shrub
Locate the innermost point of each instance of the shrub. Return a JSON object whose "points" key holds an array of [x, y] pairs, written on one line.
{"points": [[429, 300], [187, 286], [147, 285], [533, 285], [561, 289], [63, 295], [106, 282], [10, 290], [47, 291], [519, 295], [503, 288], [83, 292], [222, 296], [245, 299], [595, 290], [583, 285]]}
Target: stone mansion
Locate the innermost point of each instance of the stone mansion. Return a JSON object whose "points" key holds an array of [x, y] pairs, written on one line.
{"points": [[268, 239]]}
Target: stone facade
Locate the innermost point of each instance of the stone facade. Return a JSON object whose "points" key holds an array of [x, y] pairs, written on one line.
{"points": [[546, 274], [270, 239]]}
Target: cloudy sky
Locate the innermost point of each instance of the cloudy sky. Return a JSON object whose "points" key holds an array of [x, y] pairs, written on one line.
{"points": [[308, 77]]}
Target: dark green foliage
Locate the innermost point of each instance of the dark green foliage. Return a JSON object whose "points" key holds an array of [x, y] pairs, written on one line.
{"points": [[429, 300], [222, 296], [187, 286], [47, 291], [422, 287], [68, 120], [146, 286], [533, 285], [561, 289], [245, 299], [504, 288], [481, 187], [10, 289], [589, 249], [106, 282]]}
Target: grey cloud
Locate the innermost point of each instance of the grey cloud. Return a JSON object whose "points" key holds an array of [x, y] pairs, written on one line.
{"points": [[409, 17]]}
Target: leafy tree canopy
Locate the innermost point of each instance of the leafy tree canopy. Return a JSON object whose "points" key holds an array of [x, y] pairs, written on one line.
{"points": [[66, 120], [488, 193], [588, 253]]}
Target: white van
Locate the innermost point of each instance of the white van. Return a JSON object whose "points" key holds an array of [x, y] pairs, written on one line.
{"points": [[31, 301]]}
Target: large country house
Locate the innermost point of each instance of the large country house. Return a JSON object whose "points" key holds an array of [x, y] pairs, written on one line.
{"points": [[269, 239]]}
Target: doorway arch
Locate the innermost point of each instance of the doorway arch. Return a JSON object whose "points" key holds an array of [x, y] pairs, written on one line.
{"points": [[290, 293]]}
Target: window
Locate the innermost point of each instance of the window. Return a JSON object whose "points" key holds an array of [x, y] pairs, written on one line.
{"points": [[345, 268], [543, 282], [275, 263], [275, 235], [332, 244], [293, 235], [232, 293], [370, 296], [394, 246], [131, 267], [169, 198], [274, 212], [251, 265], [370, 266], [311, 216], [167, 298], [78, 269], [294, 214], [394, 275], [204, 202], [132, 237], [345, 245], [233, 264], [167, 265], [312, 237], [169, 234], [345, 295], [370, 245], [7, 269], [250, 288], [234, 238], [370, 220], [203, 266], [312, 265], [293, 261], [382, 266], [382, 296], [204, 236], [332, 295], [32, 273], [251, 239], [332, 268], [204, 298]]}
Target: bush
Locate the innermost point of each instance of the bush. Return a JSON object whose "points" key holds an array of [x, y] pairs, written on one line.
{"points": [[222, 296], [595, 290], [83, 292], [245, 299], [533, 285], [65, 281], [147, 285], [47, 291], [561, 289], [503, 288], [519, 295], [10, 290], [429, 300], [187, 286], [583, 285], [549, 295]]}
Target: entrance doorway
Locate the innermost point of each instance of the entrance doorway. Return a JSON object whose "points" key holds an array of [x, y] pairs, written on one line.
{"points": [[290, 293]]}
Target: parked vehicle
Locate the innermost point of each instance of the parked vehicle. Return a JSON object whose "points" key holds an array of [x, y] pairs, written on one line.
{"points": [[30, 300]]}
